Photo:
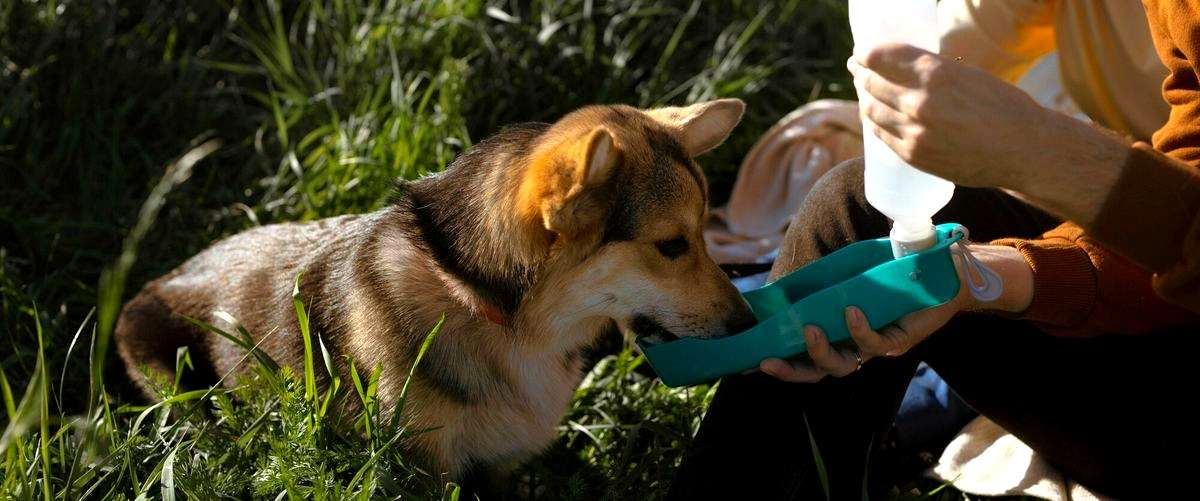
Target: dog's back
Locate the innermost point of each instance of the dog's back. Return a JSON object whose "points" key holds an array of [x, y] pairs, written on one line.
{"points": [[249, 276]]}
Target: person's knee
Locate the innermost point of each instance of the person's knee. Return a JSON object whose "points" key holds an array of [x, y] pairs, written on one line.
{"points": [[834, 214], [844, 177]]}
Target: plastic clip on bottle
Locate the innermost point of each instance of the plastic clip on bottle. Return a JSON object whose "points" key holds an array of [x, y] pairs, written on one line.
{"points": [[901, 192]]}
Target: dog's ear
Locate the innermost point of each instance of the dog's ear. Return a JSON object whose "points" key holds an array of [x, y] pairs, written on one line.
{"points": [[560, 186], [598, 158], [701, 126]]}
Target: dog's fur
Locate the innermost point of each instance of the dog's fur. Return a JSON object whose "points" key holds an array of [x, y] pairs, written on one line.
{"points": [[532, 244]]}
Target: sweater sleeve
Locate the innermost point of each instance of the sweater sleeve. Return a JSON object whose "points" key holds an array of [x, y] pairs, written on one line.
{"points": [[1152, 213], [1003, 37], [1083, 289], [1146, 275], [1174, 27]]}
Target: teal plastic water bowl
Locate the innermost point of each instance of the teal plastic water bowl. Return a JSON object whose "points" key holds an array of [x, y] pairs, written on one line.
{"points": [[863, 274]]}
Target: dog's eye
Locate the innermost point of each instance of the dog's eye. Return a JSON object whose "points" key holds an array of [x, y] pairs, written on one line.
{"points": [[672, 248]]}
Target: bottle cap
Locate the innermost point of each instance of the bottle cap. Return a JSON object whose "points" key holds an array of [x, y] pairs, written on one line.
{"points": [[912, 237]]}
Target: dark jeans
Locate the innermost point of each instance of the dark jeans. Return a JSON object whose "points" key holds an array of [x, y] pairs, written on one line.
{"points": [[1111, 412]]}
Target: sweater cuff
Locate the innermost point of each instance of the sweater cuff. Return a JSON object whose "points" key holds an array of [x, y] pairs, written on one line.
{"points": [[1147, 213], [1064, 281]]}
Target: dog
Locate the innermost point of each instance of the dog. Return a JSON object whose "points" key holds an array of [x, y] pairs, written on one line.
{"points": [[532, 244]]}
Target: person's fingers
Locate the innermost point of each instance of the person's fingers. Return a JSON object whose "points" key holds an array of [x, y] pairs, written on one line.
{"points": [[903, 99], [825, 357], [870, 344], [791, 371], [900, 63], [899, 338], [894, 140], [883, 115], [854, 65]]}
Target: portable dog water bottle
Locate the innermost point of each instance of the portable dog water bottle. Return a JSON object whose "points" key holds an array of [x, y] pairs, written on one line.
{"points": [[864, 274]]}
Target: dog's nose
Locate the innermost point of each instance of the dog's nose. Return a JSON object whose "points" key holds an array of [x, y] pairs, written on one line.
{"points": [[740, 321]]}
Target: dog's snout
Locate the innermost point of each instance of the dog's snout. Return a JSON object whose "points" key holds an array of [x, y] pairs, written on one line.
{"points": [[651, 330], [741, 320]]}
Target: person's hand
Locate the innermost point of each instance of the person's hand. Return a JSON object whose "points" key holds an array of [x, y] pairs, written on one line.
{"points": [[899, 337], [959, 122]]}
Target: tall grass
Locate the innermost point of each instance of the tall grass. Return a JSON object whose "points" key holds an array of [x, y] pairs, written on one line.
{"points": [[358, 96], [318, 106]]}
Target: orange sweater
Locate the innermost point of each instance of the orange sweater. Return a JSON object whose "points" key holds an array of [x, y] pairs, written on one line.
{"points": [[1144, 246]]}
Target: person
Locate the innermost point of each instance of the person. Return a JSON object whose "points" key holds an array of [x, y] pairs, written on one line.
{"points": [[1085, 357]]}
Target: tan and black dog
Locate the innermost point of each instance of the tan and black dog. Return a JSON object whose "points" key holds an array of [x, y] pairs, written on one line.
{"points": [[532, 244]]}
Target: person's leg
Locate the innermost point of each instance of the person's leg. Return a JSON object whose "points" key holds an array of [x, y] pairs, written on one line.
{"points": [[1114, 413], [753, 441]]}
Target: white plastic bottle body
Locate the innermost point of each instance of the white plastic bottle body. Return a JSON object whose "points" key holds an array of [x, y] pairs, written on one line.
{"points": [[906, 195], [898, 190]]}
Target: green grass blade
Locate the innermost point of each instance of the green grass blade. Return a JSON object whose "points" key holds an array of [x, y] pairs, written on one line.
{"points": [[818, 461], [44, 409], [70, 349], [167, 478], [335, 380], [370, 463], [451, 492], [183, 360], [310, 383], [10, 406], [367, 401], [417, 361]]}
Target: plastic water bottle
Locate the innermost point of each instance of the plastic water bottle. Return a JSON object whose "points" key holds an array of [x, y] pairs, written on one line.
{"points": [[906, 195]]}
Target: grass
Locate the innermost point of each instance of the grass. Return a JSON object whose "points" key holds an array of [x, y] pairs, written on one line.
{"points": [[132, 134]]}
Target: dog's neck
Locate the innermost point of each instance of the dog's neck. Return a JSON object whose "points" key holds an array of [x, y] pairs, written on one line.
{"points": [[468, 228]]}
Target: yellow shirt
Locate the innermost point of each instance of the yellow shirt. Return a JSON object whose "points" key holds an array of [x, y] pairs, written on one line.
{"points": [[1107, 59]]}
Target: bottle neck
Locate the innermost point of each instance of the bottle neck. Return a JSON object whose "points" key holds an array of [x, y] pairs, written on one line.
{"points": [[912, 236]]}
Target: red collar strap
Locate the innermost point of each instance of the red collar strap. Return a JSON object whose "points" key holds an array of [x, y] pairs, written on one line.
{"points": [[471, 300], [492, 313]]}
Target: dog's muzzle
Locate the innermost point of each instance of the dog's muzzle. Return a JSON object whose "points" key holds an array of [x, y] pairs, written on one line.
{"points": [[650, 331]]}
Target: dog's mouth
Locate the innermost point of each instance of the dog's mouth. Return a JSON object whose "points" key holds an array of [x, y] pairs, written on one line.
{"points": [[650, 331]]}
